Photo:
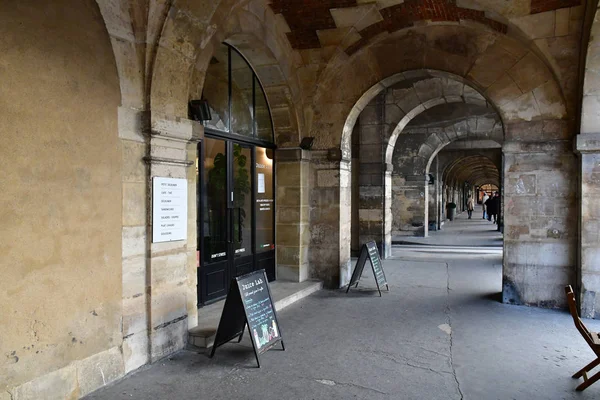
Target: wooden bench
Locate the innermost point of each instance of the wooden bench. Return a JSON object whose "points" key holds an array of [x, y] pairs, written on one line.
{"points": [[591, 338]]}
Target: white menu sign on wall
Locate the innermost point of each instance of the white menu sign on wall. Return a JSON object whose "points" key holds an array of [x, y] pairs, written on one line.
{"points": [[169, 209]]}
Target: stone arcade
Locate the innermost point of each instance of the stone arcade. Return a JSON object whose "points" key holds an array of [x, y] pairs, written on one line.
{"points": [[412, 104]]}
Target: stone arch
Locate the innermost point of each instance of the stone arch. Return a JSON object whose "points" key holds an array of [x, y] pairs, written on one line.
{"points": [[436, 142], [282, 95], [498, 69], [473, 169], [435, 88], [124, 21], [417, 148], [162, 49], [493, 154], [191, 33]]}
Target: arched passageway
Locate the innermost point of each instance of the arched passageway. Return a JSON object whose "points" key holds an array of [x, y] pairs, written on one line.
{"points": [[390, 97]]}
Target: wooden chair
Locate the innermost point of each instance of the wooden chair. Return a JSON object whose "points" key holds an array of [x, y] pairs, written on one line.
{"points": [[592, 339]]}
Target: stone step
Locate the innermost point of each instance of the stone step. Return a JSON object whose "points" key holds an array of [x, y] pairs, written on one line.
{"points": [[284, 294]]}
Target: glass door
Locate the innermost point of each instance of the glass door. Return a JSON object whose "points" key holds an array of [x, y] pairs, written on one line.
{"points": [[213, 218], [241, 210], [225, 216]]}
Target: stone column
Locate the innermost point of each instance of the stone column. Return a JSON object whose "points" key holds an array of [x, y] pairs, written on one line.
{"points": [[171, 274], [540, 228], [293, 231], [386, 250], [134, 127], [374, 175], [411, 209], [330, 213], [588, 147], [432, 197]]}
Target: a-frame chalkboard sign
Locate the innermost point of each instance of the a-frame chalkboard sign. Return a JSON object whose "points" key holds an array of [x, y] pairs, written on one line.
{"points": [[249, 302], [369, 250]]}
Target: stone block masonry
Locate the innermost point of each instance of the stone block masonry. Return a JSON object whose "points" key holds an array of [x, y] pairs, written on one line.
{"points": [[293, 169], [588, 147], [330, 229], [540, 223]]}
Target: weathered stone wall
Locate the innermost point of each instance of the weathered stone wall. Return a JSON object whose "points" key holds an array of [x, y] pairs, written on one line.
{"points": [[540, 222], [408, 190], [330, 224], [588, 280], [293, 169], [588, 145], [171, 295], [60, 319]]}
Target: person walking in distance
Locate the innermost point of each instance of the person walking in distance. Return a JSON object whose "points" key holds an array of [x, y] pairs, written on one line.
{"points": [[485, 198], [493, 204], [470, 205]]}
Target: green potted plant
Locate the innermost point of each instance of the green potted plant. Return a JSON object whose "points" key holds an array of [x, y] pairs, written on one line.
{"points": [[451, 208]]}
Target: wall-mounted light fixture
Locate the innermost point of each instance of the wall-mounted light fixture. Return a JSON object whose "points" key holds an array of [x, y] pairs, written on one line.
{"points": [[199, 110], [270, 153], [307, 142], [431, 179]]}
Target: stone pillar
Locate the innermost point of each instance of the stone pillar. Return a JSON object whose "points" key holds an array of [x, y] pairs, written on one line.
{"points": [[410, 208], [386, 250], [171, 274], [330, 213], [134, 127], [540, 228], [374, 174], [588, 147], [432, 197], [438, 187], [293, 233]]}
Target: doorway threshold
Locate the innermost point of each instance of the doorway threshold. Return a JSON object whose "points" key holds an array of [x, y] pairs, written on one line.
{"points": [[284, 294]]}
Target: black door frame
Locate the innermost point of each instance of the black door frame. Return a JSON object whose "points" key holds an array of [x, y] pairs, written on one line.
{"points": [[258, 260]]}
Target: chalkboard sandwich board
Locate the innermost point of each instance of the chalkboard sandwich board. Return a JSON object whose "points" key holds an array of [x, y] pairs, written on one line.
{"points": [[249, 302], [369, 250]]}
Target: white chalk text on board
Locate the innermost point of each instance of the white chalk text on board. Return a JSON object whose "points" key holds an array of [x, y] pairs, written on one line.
{"points": [[169, 209]]}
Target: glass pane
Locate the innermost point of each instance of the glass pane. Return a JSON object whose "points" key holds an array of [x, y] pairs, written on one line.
{"points": [[216, 89], [265, 239], [215, 200], [241, 95], [242, 201], [264, 127]]}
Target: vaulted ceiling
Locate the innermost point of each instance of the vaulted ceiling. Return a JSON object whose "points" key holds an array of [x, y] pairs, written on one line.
{"points": [[310, 21]]}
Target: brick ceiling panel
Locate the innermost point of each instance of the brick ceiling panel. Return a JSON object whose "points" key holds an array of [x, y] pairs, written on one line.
{"points": [[306, 17], [539, 6]]}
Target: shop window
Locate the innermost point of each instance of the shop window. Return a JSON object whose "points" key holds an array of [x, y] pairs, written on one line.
{"points": [[216, 90], [235, 97]]}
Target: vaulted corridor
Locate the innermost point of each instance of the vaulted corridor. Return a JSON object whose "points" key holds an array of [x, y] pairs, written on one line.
{"points": [[156, 153]]}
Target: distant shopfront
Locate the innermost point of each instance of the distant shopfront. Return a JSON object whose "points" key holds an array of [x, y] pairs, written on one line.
{"points": [[236, 202]]}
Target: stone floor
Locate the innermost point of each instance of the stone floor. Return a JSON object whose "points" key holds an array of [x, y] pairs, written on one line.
{"points": [[460, 232], [439, 333], [283, 293]]}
